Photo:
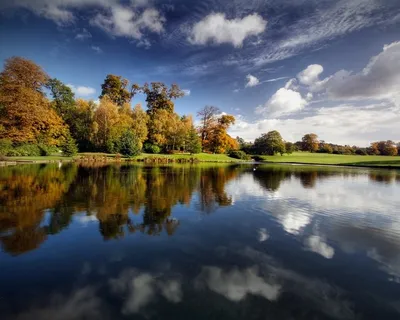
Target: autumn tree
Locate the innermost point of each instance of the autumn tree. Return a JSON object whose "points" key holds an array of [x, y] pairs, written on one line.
{"points": [[385, 148], [310, 142], [83, 126], [115, 87], [208, 122], [220, 141], [139, 124], [25, 112], [269, 143]]}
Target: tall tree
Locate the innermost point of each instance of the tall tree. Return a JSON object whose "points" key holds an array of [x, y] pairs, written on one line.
{"points": [[139, 125], [208, 121], [270, 143], [63, 100], [25, 113], [115, 87], [310, 142], [158, 96], [83, 127], [219, 140]]}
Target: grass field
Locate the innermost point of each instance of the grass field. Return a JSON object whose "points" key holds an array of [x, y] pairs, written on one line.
{"points": [[335, 159]]}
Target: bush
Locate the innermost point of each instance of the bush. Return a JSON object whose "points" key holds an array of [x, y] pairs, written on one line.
{"points": [[151, 148], [361, 152], [69, 147], [25, 150], [129, 144], [46, 150], [238, 154], [5, 146]]}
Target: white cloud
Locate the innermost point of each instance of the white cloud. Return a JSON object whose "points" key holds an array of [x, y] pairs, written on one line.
{"points": [[310, 75], [85, 34], [252, 81], [317, 245], [186, 92], [96, 49], [125, 22], [144, 43], [235, 285], [129, 21], [378, 80], [282, 103], [343, 124], [218, 29], [82, 91]]}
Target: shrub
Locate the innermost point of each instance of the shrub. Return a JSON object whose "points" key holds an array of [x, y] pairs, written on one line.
{"points": [[25, 150], [129, 144], [151, 148], [46, 150], [238, 154], [5, 146], [69, 147], [361, 152]]}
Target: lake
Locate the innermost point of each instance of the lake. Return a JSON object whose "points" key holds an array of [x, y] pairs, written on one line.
{"points": [[199, 242]]}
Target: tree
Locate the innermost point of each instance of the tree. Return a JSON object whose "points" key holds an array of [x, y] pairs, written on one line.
{"points": [[310, 142], [25, 113], [139, 125], [63, 100], [83, 127], [208, 121], [385, 148], [115, 88], [193, 143], [270, 143], [220, 141], [69, 147], [129, 144], [158, 96], [289, 147], [398, 148]]}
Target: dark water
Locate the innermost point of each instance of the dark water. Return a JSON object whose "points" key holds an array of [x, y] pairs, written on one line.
{"points": [[203, 242]]}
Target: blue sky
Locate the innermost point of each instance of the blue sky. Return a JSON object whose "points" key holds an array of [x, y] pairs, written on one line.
{"points": [[331, 66]]}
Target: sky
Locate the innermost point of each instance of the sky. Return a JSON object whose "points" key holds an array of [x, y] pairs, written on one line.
{"points": [[331, 67]]}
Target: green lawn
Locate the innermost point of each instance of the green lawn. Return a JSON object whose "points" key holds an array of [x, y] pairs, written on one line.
{"points": [[335, 159]]}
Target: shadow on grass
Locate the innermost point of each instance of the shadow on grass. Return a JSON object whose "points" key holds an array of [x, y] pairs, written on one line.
{"points": [[387, 164]]}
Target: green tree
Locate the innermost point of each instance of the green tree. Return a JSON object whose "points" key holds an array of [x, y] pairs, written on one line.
{"points": [[270, 143], [310, 142], [69, 147], [194, 143], [63, 100], [115, 88], [289, 147], [129, 144]]}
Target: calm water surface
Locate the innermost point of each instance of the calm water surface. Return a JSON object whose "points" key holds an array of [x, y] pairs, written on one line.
{"points": [[199, 242]]}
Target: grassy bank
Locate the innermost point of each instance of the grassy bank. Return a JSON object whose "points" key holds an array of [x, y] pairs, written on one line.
{"points": [[202, 157], [335, 159]]}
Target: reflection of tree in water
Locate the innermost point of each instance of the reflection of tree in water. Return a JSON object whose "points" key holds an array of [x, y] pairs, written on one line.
{"points": [[111, 193], [270, 178], [212, 187], [25, 193], [384, 176]]}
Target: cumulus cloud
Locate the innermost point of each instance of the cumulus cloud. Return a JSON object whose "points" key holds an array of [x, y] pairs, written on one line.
{"points": [[216, 28], [252, 81], [284, 102], [378, 80], [82, 91], [236, 284], [310, 75], [85, 34]]}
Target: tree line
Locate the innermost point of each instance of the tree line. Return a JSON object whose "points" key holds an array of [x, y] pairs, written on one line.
{"points": [[272, 143], [31, 123]]}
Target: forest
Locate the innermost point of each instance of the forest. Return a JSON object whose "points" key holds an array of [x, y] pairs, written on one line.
{"points": [[40, 116]]}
